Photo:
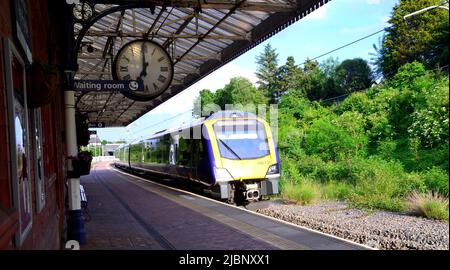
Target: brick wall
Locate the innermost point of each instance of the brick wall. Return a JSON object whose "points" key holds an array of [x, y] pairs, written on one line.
{"points": [[5, 30], [6, 219], [48, 225]]}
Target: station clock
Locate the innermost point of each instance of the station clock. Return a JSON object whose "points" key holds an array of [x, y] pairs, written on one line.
{"points": [[147, 61]]}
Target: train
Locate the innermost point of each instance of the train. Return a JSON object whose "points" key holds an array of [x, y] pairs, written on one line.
{"points": [[230, 154]]}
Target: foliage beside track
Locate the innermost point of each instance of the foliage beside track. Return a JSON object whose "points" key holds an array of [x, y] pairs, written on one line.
{"points": [[373, 149]]}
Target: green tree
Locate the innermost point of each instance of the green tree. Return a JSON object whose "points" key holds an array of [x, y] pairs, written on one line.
{"points": [[423, 37], [241, 91], [311, 81], [205, 97], [267, 70], [289, 76], [320, 81], [354, 74], [329, 79]]}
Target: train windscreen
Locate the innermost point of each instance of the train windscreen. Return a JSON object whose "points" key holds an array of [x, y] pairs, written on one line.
{"points": [[241, 139]]}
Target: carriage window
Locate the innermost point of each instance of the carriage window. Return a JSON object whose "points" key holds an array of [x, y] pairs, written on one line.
{"points": [[136, 153], [184, 151], [126, 154], [242, 139]]}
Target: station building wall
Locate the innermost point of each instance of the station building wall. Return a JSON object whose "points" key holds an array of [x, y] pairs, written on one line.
{"points": [[32, 184]]}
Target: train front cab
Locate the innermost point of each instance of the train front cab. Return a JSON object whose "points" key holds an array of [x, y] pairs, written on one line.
{"points": [[246, 164]]}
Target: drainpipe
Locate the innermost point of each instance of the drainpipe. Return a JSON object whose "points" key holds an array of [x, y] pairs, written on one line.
{"points": [[75, 222]]}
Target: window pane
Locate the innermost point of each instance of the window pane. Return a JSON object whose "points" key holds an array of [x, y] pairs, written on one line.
{"points": [[243, 139]]}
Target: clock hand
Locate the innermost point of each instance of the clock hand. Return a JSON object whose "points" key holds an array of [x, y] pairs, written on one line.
{"points": [[144, 70], [144, 63]]}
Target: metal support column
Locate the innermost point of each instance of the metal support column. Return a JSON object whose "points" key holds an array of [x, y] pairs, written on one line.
{"points": [[75, 222]]}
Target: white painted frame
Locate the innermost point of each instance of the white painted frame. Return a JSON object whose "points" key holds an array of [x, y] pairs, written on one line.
{"points": [[9, 50]]}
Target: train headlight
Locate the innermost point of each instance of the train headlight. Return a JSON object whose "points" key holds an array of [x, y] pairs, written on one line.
{"points": [[222, 175], [273, 169]]}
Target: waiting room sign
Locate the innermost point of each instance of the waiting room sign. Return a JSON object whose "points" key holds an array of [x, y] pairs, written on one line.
{"points": [[108, 85]]}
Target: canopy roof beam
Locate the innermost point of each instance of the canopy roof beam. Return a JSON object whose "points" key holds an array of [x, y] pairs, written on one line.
{"points": [[200, 36], [288, 6]]}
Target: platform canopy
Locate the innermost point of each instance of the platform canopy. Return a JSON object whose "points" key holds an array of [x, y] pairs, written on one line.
{"points": [[200, 36]]}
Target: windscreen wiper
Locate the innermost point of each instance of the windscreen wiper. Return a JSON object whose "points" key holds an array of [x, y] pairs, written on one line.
{"points": [[229, 148]]}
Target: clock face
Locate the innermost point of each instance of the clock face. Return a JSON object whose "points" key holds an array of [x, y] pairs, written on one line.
{"points": [[147, 61]]}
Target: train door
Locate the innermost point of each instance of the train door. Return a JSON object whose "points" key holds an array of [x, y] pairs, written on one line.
{"points": [[198, 159], [202, 163], [184, 157]]}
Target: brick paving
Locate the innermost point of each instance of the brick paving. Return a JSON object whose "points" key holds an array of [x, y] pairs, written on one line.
{"points": [[126, 216]]}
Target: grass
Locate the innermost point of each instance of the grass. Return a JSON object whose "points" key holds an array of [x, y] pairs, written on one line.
{"points": [[303, 193], [375, 184], [430, 205], [336, 190]]}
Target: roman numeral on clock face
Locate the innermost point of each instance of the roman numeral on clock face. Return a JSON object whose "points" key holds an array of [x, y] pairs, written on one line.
{"points": [[161, 78], [123, 68], [161, 59], [164, 69], [127, 77]]}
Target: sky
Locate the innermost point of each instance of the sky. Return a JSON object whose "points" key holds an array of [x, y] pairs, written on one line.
{"points": [[337, 23]]}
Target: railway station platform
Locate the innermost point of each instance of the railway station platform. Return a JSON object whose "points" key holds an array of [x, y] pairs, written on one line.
{"points": [[127, 212]]}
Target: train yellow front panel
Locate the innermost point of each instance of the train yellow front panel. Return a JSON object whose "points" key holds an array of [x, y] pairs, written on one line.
{"points": [[247, 168]]}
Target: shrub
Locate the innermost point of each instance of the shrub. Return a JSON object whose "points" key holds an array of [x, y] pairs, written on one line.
{"points": [[330, 141], [382, 184], [437, 157], [431, 126], [336, 190], [379, 128], [316, 111], [292, 105], [436, 179], [342, 171], [408, 73], [387, 149], [430, 205], [401, 107], [356, 102], [290, 170], [309, 164], [430, 119]]}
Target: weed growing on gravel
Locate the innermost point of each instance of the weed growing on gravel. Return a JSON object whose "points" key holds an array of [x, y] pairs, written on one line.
{"points": [[304, 192], [430, 205]]}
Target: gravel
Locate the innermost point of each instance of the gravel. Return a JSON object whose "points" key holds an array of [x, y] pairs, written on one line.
{"points": [[378, 229]]}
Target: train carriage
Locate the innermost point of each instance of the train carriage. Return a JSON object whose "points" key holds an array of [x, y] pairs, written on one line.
{"points": [[231, 154]]}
